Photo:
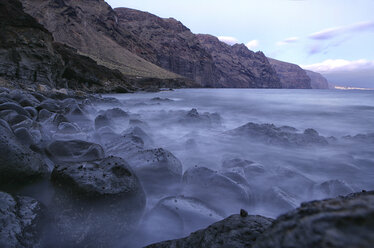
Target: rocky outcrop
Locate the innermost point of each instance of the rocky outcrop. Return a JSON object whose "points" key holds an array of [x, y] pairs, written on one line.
{"points": [[20, 221], [99, 201], [238, 67], [173, 45], [26, 48], [203, 58], [285, 135], [317, 80], [29, 57], [92, 28], [234, 232], [291, 75], [339, 222]]}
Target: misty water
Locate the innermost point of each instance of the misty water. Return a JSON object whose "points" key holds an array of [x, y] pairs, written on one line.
{"points": [[202, 155], [264, 175]]}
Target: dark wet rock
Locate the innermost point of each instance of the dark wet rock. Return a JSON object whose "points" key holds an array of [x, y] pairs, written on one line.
{"points": [[193, 117], [32, 111], [25, 124], [68, 128], [58, 119], [44, 115], [177, 216], [159, 99], [138, 132], [363, 138], [332, 188], [119, 200], [235, 162], [280, 200], [102, 121], [339, 222], [233, 232], [270, 134], [75, 151], [20, 221], [18, 164], [23, 135], [13, 106], [23, 98], [158, 169], [215, 188], [14, 118], [115, 113], [138, 123], [50, 105]]}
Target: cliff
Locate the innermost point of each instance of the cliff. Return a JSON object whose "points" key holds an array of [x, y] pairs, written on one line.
{"points": [[92, 28], [317, 80], [202, 58], [30, 57], [175, 47], [238, 67], [291, 75]]}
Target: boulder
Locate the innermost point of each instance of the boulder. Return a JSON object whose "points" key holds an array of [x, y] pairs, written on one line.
{"points": [[20, 221], [283, 136], [18, 163], [235, 231], [339, 222], [96, 203], [215, 189], [175, 217], [74, 151]]}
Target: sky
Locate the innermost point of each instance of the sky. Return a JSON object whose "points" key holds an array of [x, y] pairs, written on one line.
{"points": [[333, 37]]}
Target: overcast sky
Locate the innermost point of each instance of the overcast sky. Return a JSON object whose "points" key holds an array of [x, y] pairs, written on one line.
{"points": [[323, 35]]}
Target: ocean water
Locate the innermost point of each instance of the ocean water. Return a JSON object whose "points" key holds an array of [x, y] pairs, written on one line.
{"points": [[276, 177]]}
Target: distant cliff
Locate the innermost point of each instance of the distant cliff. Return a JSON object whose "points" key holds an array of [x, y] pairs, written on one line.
{"points": [[92, 28], [291, 75], [239, 67], [317, 80], [150, 51], [202, 58]]}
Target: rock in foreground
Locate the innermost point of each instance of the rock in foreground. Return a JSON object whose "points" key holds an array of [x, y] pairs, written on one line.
{"points": [[234, 232], [20, 221], [339, 222]]}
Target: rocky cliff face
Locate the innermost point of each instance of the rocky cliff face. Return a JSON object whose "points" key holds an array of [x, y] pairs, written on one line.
{"points": [[239, 67], [202, 58], [174, 46], [291, 75], [30, 57], [92, 28], [26, 48], [317, 80]]}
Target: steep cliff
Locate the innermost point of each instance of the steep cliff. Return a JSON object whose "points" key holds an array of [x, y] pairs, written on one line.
{"points": [[291, 75], [26, 48], [238, 67], [317, 80], [174, 46], [29, 57], [91, 26], [202, 58]]}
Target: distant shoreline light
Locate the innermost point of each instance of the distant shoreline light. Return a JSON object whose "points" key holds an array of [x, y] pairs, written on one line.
{"points": [[350, 88]]}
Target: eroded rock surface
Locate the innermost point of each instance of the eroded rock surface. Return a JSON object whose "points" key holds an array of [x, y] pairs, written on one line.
{"points": [[20, 221]]}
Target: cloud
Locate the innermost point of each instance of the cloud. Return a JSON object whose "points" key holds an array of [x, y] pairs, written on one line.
{"points": [[288, 41], [252, 44], [331, 33], [340, 65], [228, 40]]}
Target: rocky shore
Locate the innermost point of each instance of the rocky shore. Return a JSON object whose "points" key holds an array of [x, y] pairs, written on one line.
{"points": [[81, 171]]}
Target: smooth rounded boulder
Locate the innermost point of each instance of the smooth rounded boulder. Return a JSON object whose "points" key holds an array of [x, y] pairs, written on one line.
{"points": [[98, 201]]}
